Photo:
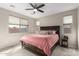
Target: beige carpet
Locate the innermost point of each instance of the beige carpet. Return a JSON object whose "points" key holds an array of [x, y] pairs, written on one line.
{"points": [[18, 51]]}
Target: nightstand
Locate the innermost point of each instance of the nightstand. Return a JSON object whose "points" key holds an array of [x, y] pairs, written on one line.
{"points": [[64, 41]]}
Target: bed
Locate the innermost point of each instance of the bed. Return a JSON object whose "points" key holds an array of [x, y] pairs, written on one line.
{"points": [[42, 45]]}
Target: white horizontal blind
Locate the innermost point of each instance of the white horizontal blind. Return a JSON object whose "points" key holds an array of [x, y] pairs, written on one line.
{"points": [[13, 20], [23, 22], [67, 19]]}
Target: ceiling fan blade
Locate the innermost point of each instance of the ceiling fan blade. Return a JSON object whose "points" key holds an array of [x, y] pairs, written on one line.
{"points": [[40, 10], [32, 5], [35, 5], [40, 6], [29, 9]]}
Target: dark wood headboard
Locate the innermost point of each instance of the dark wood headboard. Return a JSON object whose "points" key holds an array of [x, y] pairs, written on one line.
{"points": [[47, 28]]}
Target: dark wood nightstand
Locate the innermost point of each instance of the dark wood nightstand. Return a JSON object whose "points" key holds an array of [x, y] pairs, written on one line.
{"points": [[64, 41]]}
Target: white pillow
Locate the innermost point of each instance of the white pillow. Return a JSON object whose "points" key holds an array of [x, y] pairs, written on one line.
{"points": [[53, 32], [43, 32]]}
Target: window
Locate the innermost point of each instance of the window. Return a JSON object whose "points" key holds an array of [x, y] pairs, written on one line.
{"points": [[67, 28], [23, 25], [17, 25], [67, 24]]}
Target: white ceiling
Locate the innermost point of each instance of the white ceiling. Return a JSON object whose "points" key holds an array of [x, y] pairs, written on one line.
{"points": [[49, 8]]}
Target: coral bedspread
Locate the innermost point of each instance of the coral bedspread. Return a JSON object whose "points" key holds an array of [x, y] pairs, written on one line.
{"points": [[44, 42]]}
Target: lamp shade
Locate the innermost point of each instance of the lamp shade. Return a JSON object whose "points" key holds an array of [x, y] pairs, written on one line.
{"points": [[37, 23]]}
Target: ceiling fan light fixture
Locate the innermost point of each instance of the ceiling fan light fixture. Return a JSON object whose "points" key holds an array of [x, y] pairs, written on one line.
{"points": [[35, 10]]}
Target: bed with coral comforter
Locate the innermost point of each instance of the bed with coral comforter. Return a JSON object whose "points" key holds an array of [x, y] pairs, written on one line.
{"points": [[43, 42]]}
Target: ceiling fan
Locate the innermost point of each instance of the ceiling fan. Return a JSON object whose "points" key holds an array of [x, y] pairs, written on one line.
{"points": [[36, 7]]}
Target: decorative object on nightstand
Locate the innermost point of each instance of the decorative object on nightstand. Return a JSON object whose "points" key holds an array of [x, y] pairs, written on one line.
{"points": [[64, 41]]}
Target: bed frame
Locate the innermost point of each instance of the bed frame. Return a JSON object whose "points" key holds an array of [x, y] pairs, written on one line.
{"points": [[38, 51]]}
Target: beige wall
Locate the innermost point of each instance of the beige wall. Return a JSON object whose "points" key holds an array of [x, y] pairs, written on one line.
{"points": [[78, 27], [56, 19], [6, 38]]}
